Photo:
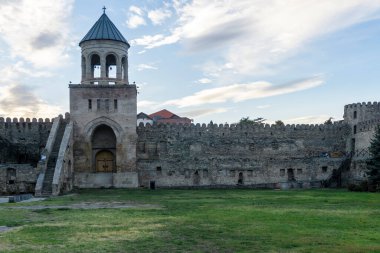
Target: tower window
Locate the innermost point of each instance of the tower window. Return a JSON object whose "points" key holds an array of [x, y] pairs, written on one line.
{"points": [[115, 104], [98, 104], [107, 104], [353, 145], [355, 129], [355, 114], [90, 104]]}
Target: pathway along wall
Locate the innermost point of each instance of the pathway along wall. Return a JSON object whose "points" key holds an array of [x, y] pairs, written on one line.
{"points": [[225, 156]]}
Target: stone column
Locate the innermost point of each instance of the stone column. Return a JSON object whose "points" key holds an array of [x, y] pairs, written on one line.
{"points": [[118, 69], [88, 74], [126, 70], [103, 70]]}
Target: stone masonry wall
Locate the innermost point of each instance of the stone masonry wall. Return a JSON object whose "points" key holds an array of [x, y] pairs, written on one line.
{"points": [[17, 178], [22, 140], [178, 155]]}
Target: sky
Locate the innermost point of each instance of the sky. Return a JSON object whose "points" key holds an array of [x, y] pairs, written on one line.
{"points": [[299, 61]]}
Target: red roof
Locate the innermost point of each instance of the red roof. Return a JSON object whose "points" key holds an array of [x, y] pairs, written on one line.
{"points": [[165, 114]]}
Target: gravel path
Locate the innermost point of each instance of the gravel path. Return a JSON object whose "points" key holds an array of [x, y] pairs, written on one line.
{"points": [[86, 205]]}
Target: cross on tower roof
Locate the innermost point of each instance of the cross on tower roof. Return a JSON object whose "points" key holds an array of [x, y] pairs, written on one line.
{"points": [[104, 9]]}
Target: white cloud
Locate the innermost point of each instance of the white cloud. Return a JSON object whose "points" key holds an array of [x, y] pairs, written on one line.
{"points": [[135, 17], [312, 119], [136, 10], [158, 16], [19, 100], [203, 112], [263, 106], [242, 92], [257, 34], [143, 66], [147, 40], [135, 21], [36, 31], [157, 40], [146, 105], [204, 80]]}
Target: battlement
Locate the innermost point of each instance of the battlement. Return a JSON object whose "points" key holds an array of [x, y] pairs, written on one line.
{"points": [[368, 125], [25, 120], [33, 120], [363, 104], [339, 126]]}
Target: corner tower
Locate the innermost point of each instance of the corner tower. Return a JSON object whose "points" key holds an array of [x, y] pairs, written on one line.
{"points": [[103, 109]]}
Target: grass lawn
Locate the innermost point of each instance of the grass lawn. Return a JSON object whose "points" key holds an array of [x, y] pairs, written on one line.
{"points": [[197, 221]]}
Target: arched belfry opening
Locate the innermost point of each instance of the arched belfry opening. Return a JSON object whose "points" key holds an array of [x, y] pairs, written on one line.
{"points": [[104, 149], [111, 66], [95, 66]]}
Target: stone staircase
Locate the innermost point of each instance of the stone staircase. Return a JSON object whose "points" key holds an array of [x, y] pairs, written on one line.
{"points": [[49, 174], [335, 180]]}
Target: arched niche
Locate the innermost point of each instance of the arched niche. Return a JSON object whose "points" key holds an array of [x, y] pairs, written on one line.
{"points": [[103, 142]]}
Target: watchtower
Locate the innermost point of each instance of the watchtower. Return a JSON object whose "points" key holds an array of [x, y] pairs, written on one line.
{"points": [[103, 109]]}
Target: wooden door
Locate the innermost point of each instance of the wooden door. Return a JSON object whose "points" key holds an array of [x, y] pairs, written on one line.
{"points": [[104, 161]]}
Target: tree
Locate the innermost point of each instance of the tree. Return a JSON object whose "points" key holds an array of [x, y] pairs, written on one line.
{"points": [[329, 121], [279, 123], [248, 121], [373, 164]]}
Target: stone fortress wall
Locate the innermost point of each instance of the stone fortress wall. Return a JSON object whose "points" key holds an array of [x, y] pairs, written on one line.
{"points": [[230, 155], [216, 155], [21, 143], [22, 140]]}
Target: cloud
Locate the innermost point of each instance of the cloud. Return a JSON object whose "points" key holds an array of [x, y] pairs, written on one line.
{"points": [[204, 81], [242, 92], [158, 16], [264, 32], [312, 119], [37, 31], [203, 112], [146, 105], [136, 10], [143, 66], [19, 100], [135, 21], [135, 18], [157, 40], [263, 106]]}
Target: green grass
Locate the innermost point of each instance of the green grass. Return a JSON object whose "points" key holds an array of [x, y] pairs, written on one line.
{"points": [[199, 221]]}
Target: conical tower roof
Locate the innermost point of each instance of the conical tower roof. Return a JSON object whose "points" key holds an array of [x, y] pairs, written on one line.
{"points": [[104, 29]]}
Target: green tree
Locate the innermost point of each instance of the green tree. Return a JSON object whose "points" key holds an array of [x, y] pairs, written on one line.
{"points": [[329, 121], [373, 164], [279, 123], [247, 120]]}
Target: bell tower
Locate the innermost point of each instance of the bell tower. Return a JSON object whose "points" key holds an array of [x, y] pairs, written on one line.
{"points": [[104, 54], [103, 110]]}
